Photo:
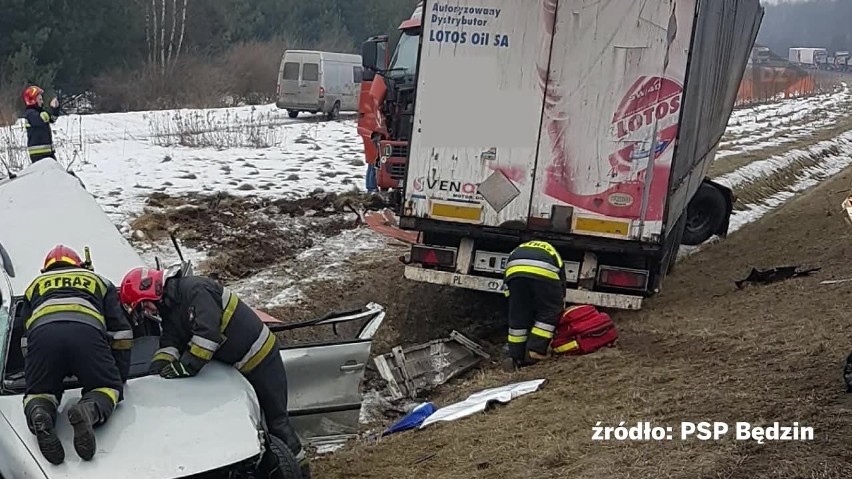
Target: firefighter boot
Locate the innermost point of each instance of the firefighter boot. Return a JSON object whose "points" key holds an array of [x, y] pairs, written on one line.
{"points": [[41, 419], [83, 416]]}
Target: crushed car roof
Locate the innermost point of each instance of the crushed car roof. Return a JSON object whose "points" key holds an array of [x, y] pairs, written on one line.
{"points": [[44, 203]]}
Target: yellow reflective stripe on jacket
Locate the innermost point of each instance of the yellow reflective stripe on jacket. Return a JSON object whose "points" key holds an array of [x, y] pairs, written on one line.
{"points": [[64, 308], [229, 304], [121, 340], [166, 354], [533, 271], [39, 150], [108, 392], [517, 335], [122, 344], [541, 333], [200, 352], [203, 348], [45, 116], [258, 351], [547, 247], [67, 278]]}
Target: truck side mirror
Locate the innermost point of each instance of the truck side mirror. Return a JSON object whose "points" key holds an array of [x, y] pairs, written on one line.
{"points": [[370, 55], [374, 54]]}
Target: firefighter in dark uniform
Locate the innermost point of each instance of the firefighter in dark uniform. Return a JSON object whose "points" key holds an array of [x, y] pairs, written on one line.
{"points": [[74, 325], [38, 120], [535, 281], [202, 321]]}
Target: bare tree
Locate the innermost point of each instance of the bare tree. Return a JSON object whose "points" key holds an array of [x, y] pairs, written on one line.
{"points": [[152, 54], [172, 35], [163, 54], [163, 36], [182, 29]]}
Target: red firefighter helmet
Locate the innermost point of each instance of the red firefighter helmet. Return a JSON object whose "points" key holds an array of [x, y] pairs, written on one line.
{"points": [[141, 284], [61, 255], [31, 95]]}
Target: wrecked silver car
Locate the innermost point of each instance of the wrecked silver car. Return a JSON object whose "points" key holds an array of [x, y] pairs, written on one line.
{"points": [[216, 429]]}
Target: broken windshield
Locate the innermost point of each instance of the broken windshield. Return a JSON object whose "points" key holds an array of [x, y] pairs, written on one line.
{"points": [[404, 61]]}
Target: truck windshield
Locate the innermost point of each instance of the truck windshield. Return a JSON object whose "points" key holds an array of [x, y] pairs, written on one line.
{"points": [[404, 61]]}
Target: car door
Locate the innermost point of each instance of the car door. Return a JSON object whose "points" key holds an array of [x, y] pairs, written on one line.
{"points": [[324, 378]]}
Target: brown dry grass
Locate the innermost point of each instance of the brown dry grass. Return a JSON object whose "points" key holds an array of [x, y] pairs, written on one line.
{"points": [[731, 163], [701, 351]]}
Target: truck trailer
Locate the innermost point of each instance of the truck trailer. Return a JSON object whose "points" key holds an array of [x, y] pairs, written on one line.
{"points": [[809, 57], [588, 125]]}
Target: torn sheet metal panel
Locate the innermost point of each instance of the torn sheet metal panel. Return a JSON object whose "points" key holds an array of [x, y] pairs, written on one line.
{"points": [[420, 368]]}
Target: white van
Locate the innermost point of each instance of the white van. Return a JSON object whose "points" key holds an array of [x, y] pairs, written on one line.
{"points": [[317, 82]]}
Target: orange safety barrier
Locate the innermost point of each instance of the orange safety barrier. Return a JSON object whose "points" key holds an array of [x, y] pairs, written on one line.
{"points": [[766, 83]]}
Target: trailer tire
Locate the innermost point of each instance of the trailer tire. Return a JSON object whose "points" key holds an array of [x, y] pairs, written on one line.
{"points": [[704, 215], [293, 113]]}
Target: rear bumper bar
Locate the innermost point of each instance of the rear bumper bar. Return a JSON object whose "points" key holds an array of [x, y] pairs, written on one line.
{"points": [[493, 285]]}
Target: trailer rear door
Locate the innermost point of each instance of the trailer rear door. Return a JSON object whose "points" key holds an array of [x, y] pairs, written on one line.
{"points": [[611, 115], [478, 111]]}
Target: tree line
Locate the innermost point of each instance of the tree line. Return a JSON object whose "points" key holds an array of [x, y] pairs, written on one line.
{"points": [[77, 46]]}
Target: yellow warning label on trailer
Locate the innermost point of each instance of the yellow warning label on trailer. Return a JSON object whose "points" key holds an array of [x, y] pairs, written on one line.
{"points": [[602, 226], [456, 212]]}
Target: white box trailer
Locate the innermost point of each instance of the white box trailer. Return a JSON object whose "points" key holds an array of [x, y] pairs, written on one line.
{"points": [[588, 124], [808, 56]]}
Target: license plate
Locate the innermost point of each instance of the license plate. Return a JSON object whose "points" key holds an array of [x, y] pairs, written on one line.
{"points": [[490, 262]]}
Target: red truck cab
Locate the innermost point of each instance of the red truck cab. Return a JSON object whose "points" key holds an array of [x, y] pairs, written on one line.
{"points": [[386, 102]]}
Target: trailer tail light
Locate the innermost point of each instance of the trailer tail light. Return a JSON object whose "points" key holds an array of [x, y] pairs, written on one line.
{"points": [[322, 92], [622, 278], [433, 256]]}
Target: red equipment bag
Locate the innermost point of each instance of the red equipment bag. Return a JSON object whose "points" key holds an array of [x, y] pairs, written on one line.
{"points": [[583, 330]]}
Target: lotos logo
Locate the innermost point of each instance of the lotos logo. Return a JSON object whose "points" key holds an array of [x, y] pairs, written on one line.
{"points": [[649, 100], [418, 184], [650, 103]]}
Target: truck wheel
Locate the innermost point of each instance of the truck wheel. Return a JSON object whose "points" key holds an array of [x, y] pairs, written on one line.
{"points": [[292, 113], [704, 215], [335, 111], [280, 463]]}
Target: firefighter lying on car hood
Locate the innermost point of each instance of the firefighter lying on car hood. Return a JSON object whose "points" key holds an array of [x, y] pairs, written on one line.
{"points": [[202, 321]]}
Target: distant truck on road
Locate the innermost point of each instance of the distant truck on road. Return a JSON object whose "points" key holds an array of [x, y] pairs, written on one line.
{"points": [[809, 57], [584, 124]]}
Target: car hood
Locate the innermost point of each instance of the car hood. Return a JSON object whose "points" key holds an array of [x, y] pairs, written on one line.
{"points": [[163, 429]]}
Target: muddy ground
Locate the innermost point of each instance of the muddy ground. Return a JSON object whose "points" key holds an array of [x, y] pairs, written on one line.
{"points": [[245, 236], [701, 351]]}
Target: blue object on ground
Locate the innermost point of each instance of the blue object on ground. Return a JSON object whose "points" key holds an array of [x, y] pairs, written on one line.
{"points": [[413, 419]]}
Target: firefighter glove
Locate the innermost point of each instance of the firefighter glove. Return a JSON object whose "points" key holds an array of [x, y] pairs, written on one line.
{"points": [[176, 370]]}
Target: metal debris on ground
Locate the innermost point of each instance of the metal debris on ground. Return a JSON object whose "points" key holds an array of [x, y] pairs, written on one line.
{"points": [[774, 275], [836, 281], [420, 368]]}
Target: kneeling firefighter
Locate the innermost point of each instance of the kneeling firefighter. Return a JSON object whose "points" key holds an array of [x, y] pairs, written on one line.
{"points": [[74, 325], [202, 321], [535, 282]]}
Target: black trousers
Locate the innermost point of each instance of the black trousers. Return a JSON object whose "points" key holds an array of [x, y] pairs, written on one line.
{"points": [[535, 306], [65, 348], [269, 380]]}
